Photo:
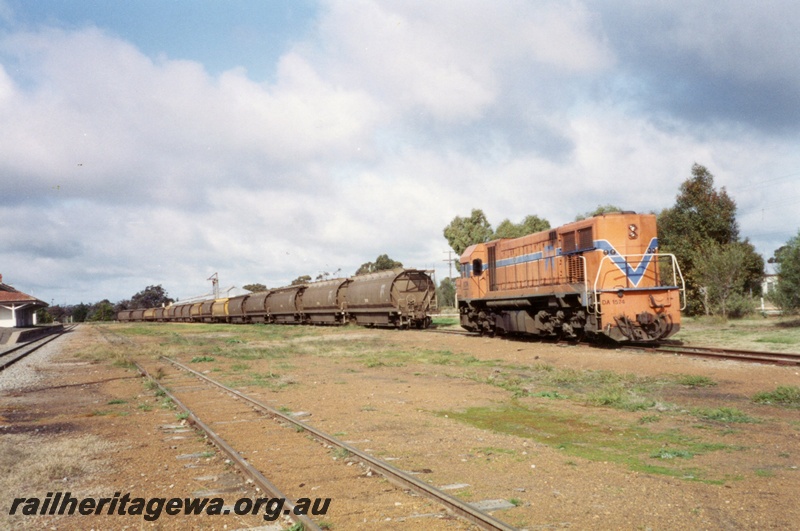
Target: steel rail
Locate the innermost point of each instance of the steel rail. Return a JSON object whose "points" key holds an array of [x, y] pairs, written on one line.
{"points": [[15, 354], [754, 356], [248, 469], [391, 473]]}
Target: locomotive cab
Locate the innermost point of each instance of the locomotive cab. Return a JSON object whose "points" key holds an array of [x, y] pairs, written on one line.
{"points": [[473, 282]]}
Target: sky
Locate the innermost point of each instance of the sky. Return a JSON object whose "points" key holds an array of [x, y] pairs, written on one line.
{"points": [[159, 142]]}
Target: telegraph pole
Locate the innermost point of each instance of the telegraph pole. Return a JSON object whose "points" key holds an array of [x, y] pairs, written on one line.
{"points": [[449, 261]]}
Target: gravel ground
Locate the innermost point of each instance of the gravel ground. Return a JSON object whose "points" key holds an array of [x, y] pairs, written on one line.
{"points": [[27, 371], [408, 411]]}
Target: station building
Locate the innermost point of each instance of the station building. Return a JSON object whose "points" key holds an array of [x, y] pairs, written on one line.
{"points": [[17, 309]]}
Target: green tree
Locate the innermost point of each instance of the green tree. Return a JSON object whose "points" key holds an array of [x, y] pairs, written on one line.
{"points": [[80, 312], [59, 313], [255, 287], [303, 279], [601, 209], [446, 292], [101, 311], [721, 272], [150, 297], [701, 217], [787, 290], [463, 232], [382, 263], [531, 224], [700, 213], [43, 316]]}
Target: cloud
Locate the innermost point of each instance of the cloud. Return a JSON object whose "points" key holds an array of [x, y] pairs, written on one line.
{"points": [[121, 169], [706, 62]]}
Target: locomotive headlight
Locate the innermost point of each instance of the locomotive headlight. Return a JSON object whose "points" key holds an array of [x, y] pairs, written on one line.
{"points": [[632, 231]]}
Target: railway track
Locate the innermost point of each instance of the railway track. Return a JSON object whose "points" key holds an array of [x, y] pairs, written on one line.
{"points": [[676, 347], [292, 452], [754, 356], [12, 355]]}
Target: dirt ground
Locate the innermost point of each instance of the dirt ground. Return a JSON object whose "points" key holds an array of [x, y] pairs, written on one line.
{"points": [[92, 428]]}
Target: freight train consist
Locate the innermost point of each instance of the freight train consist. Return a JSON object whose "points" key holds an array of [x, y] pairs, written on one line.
{"points": [[398, 298], [602, 276]]}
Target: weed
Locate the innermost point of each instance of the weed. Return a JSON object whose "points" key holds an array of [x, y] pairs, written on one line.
{"points": [[764, 473], [116, 401], [341, 453], [199, 359], [778, 340], [591, 438], [182, 415], [693, 380], [550, 394], [665, 453], [724, 414], [145, 407], [784, 395], [516, 502], [647, 419], [618, 397]]}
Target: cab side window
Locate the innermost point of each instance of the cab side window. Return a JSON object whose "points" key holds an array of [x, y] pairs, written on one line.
{"points": [[477, 266]]}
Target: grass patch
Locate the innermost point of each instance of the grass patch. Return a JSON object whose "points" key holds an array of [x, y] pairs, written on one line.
{"points": [[668, 453], [445, 320], [200, 359], [778, 340], [753, 333], [724, 414], [785, 395], [593, 438], [619, 397], [555, 395], [694, 380]]}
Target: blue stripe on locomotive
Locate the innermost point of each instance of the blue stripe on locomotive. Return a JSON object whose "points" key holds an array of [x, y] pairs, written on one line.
{"points": [[634, 274]]}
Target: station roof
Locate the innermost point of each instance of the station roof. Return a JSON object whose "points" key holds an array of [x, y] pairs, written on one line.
{"points": [[9, 294]]}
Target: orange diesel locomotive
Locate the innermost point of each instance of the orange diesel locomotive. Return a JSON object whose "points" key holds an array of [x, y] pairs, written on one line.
{"points": [[601, 276]]}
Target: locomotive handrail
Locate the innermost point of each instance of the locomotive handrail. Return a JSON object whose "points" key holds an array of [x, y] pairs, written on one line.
{"points": [[585, 279], [676, 273]]}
